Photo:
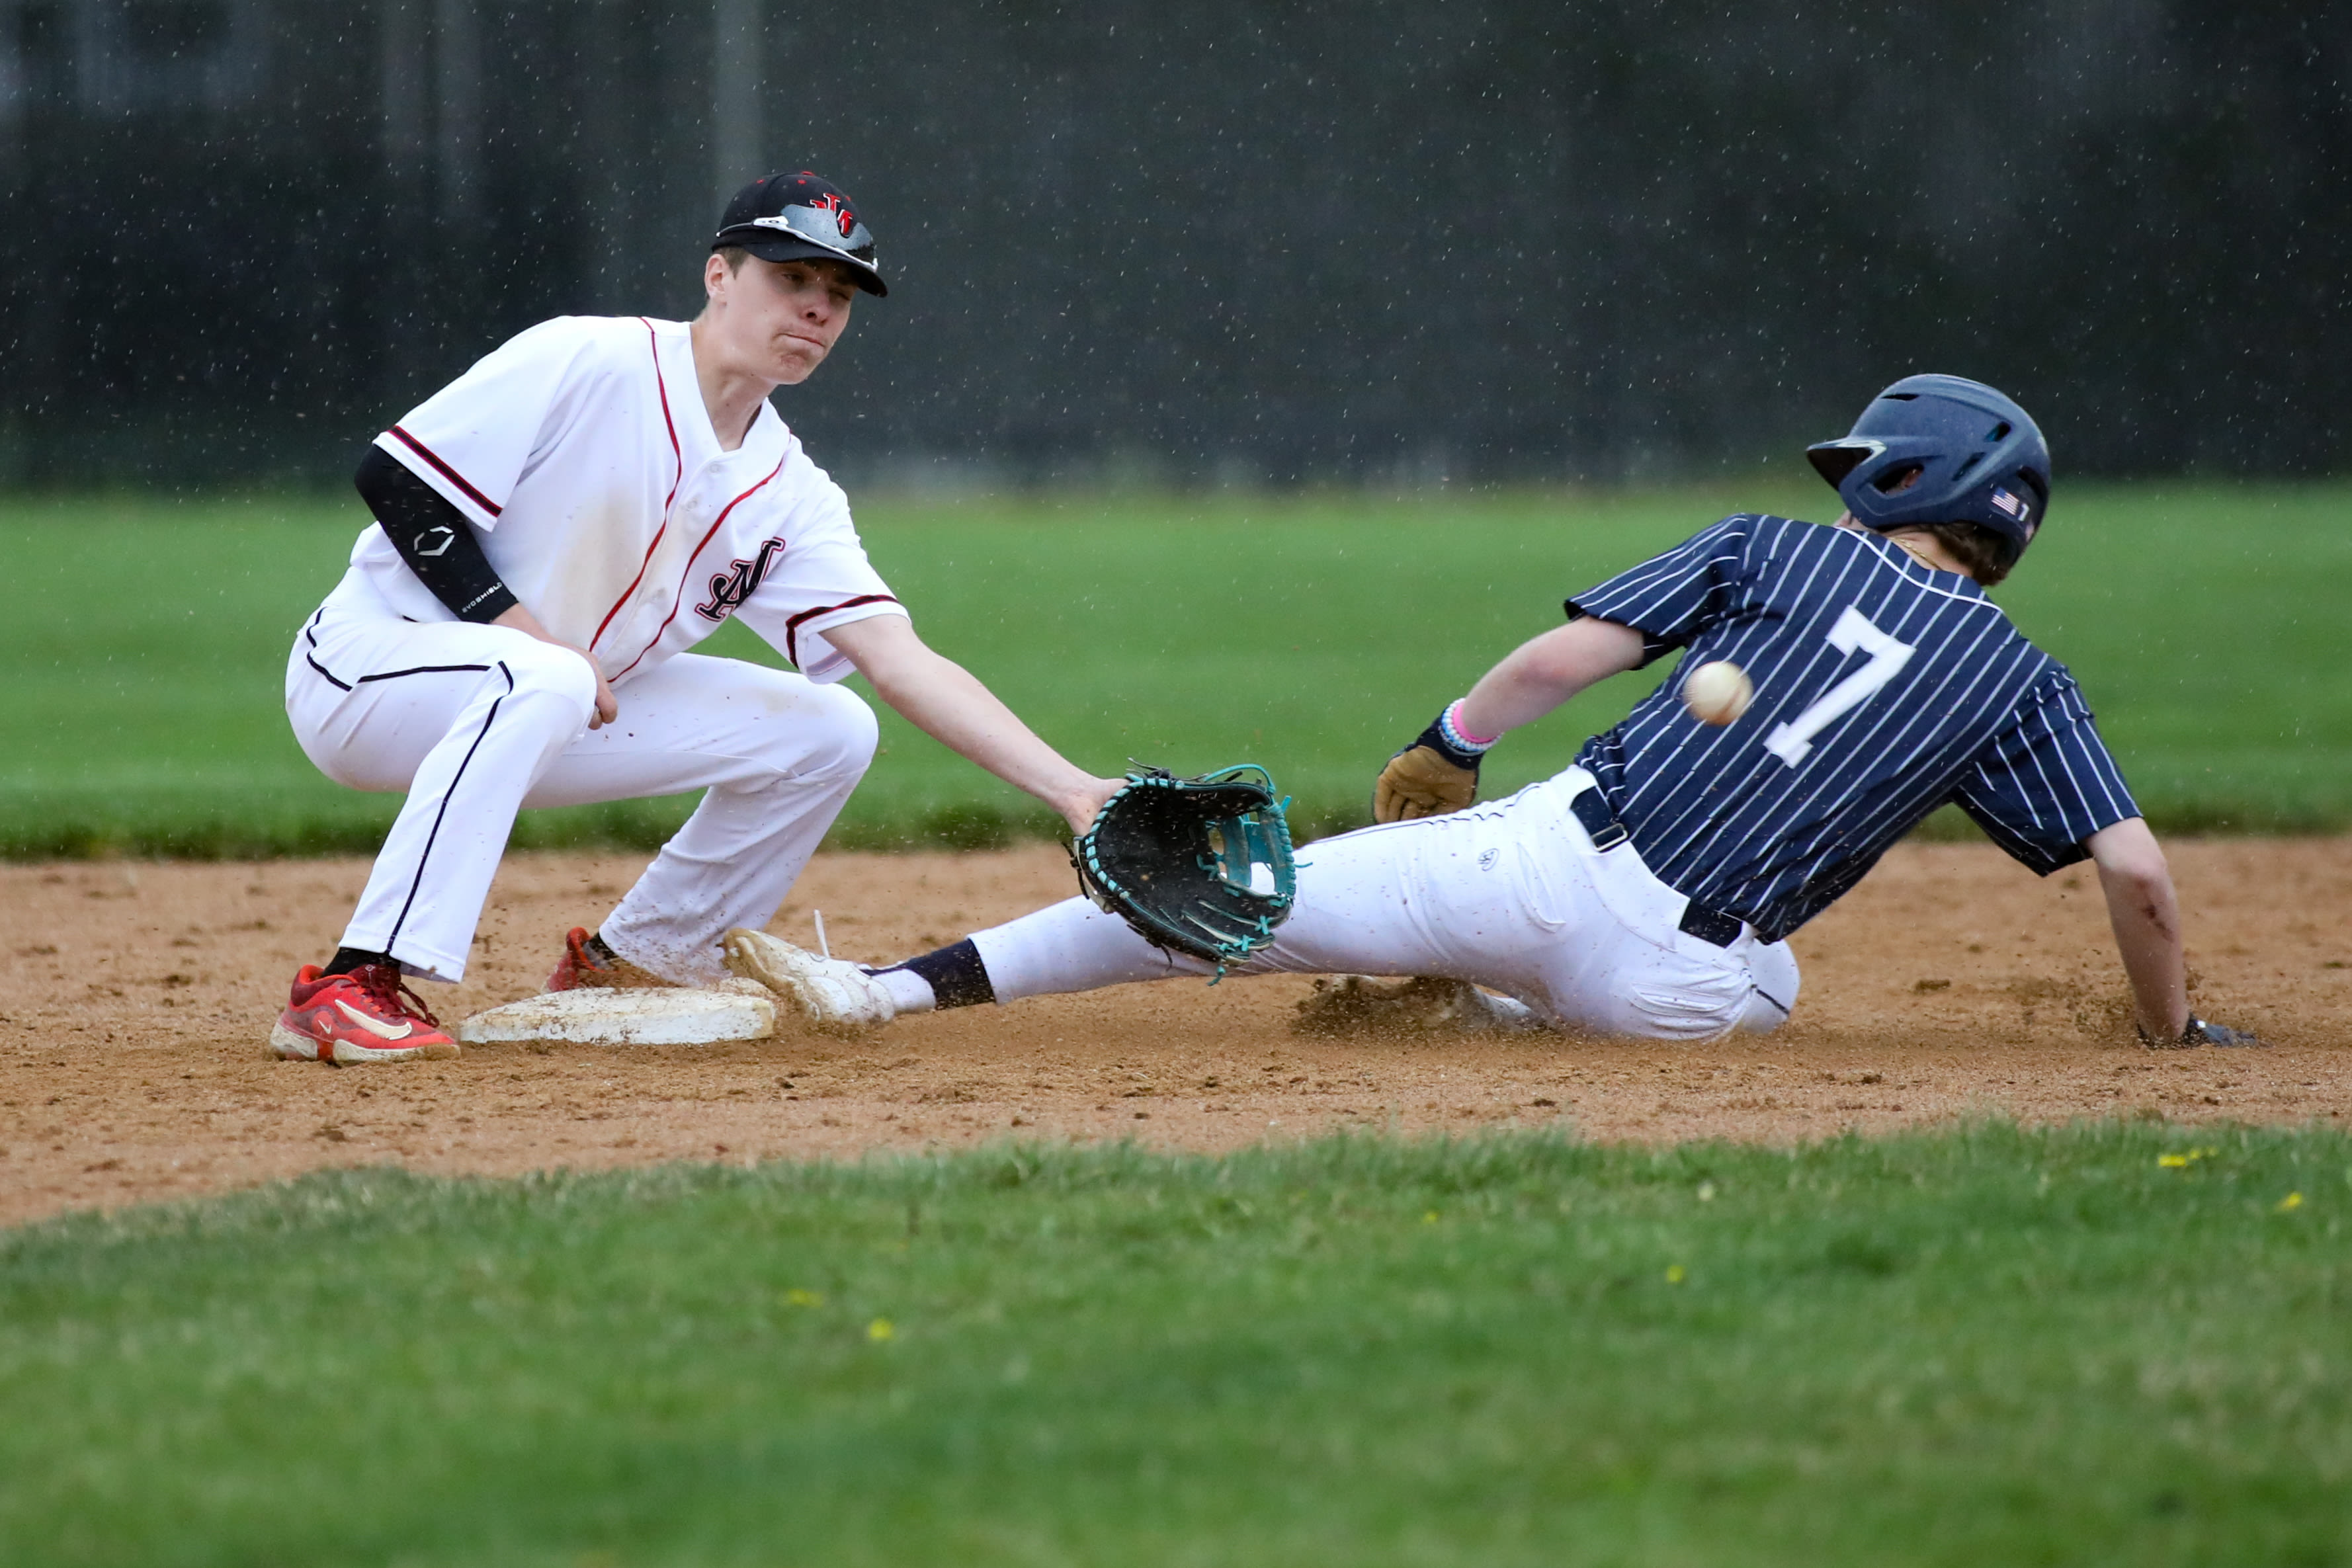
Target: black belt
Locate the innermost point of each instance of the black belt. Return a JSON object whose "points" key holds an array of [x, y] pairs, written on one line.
{"points": [[1607, 832]]}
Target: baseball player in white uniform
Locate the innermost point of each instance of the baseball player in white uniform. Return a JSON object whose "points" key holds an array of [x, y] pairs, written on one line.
{"points": [[555, 531]]}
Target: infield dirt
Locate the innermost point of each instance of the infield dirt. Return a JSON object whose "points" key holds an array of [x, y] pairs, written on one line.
{"points": [[135, 999]]}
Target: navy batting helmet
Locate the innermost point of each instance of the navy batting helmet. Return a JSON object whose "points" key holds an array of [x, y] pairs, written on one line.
{"points": [[1980, 458]]}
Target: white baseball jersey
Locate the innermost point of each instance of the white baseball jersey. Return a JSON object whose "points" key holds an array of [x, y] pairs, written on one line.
{"points": [[582, 453]]}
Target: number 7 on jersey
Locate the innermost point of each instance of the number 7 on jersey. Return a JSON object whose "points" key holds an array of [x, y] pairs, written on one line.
{"points": [[1791, 742]]}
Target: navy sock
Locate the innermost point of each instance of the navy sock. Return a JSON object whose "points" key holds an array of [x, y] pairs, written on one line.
{"points": [[957, 977], [347, 960]]}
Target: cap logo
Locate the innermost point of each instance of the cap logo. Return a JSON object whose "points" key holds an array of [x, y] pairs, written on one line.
{"points": [[844, 219], [826, 222], [2008, 502]]}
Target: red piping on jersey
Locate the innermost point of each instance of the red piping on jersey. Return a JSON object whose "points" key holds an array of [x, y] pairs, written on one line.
{"points": [[445, 471], [717, 524], [793, 627], [652, 346]]}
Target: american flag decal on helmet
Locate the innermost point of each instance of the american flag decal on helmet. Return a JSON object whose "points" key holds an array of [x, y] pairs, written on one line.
{"points": [[2008, 503]]}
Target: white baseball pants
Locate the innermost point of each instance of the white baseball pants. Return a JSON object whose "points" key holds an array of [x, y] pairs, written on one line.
{"points": [[1510, 896], [475, 722]]}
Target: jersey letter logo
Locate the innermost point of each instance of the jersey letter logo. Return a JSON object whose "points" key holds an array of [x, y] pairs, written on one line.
{"points": [[1793, 741], [730, 588]]}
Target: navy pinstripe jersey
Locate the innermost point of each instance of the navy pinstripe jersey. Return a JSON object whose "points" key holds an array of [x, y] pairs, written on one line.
{"points": [[1883, 689]]}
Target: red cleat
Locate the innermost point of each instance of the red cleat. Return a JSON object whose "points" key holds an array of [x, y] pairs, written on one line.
{"points": [[589, 964], [368, 1015]]}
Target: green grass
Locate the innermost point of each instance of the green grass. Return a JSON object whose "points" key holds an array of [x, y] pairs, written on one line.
{"points": [[1313, 633], [1969, 1347]]}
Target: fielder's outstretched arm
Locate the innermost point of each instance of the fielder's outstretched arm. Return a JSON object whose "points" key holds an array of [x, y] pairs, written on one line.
{"points": [[948, 703]]}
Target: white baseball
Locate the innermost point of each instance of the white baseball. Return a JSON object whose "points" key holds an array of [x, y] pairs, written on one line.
{"points": [[1718, 693]]}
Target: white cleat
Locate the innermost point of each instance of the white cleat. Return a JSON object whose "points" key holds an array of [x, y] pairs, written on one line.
{"points": [[833, 993]]}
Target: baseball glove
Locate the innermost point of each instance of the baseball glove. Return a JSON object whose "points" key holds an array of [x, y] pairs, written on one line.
{"points": [[1197, 865], [1419, 781]]}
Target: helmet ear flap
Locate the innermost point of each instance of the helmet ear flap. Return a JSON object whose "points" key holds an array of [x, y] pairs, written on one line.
{"points": [[2039, 483]]}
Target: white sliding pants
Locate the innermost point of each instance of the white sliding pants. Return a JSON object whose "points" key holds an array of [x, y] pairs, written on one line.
{"points": [[1510, 896], [475, 722]]}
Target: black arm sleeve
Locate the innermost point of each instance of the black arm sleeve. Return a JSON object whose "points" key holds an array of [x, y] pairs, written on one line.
{"points": [[434, 538]]}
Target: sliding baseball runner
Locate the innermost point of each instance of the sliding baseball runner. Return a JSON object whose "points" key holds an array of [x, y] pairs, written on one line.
{"points": [[1649, 889], [555, 531]]}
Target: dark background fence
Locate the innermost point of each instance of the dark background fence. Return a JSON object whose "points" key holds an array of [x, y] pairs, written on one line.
{"points": [[1221, 241]]}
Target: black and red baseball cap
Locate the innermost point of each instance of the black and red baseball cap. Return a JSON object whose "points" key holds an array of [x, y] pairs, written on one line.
{"points": [[795, 217]]}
